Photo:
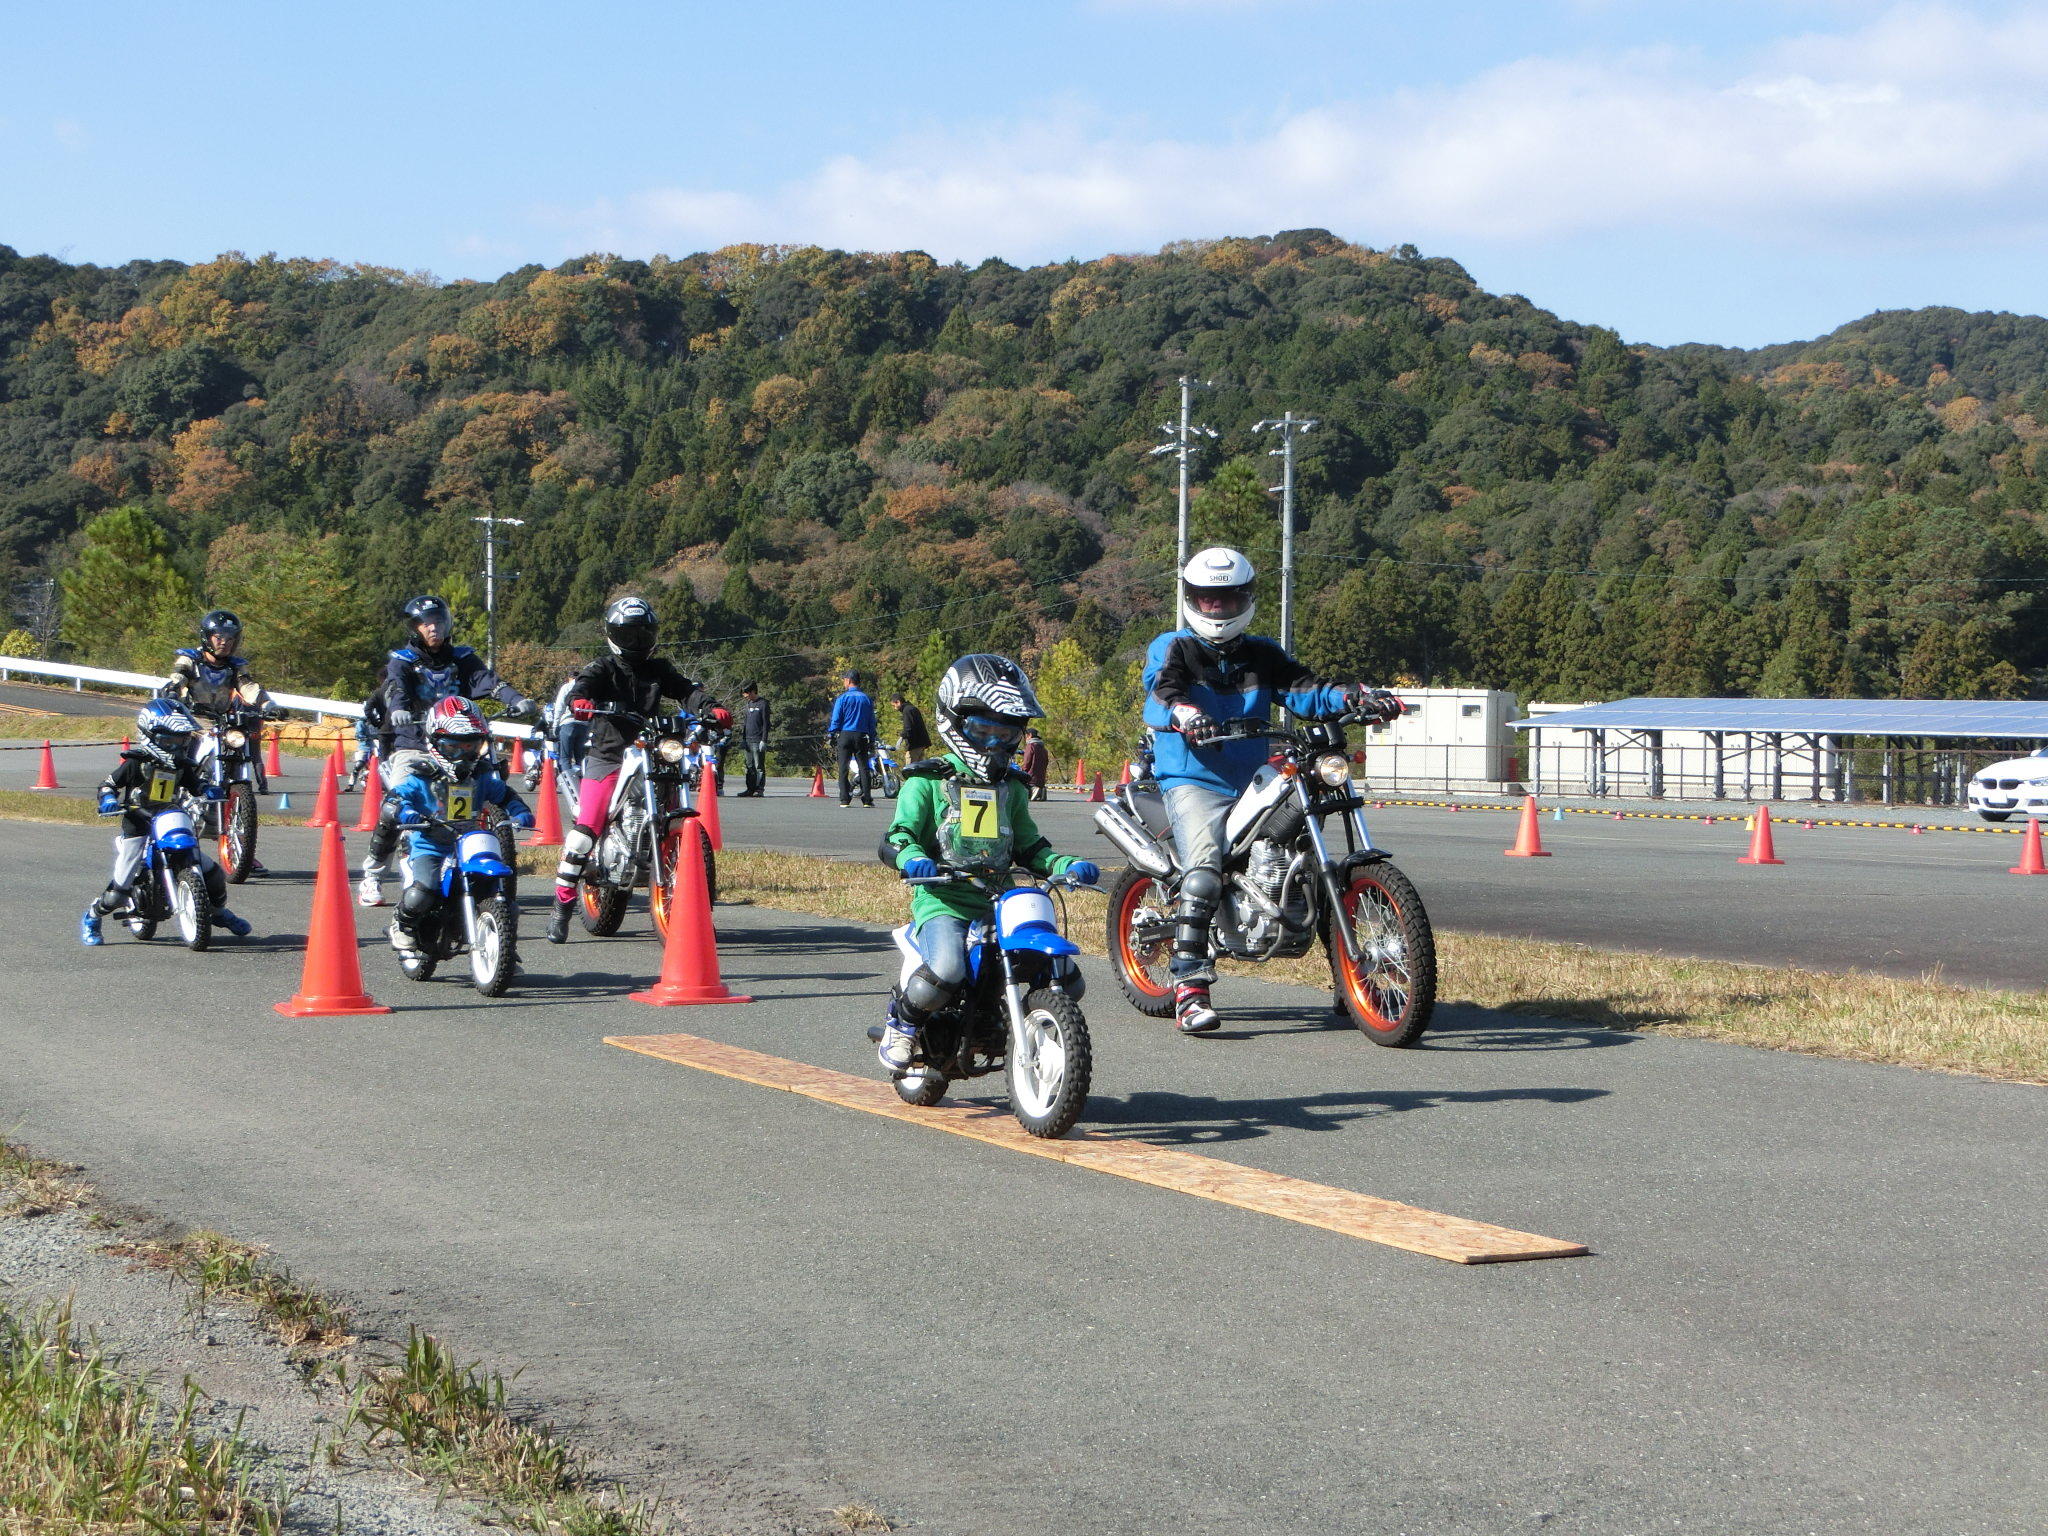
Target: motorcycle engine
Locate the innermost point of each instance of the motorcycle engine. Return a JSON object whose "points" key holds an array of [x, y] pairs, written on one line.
{"points": [[621, 849], [1265, 872]]}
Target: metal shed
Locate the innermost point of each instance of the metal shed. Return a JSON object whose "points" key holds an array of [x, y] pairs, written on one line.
{"points": [[1920, 750]]}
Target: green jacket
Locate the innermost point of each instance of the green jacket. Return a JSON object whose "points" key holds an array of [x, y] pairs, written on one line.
{"points": [[939, 806]]}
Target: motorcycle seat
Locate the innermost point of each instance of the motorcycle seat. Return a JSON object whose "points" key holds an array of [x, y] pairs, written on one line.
{"points": [[1151, 809]]}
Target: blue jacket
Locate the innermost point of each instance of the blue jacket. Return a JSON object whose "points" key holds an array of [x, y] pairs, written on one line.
{"points": [[1243, 683], [426, 791], [852, 711]]}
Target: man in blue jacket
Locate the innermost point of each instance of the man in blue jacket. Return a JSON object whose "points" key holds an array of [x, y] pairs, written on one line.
{"points": [[852, 729], [1197, 677]]}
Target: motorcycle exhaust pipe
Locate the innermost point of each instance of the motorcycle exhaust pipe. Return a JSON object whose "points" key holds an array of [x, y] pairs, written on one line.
{"points": [[1134, 839]]}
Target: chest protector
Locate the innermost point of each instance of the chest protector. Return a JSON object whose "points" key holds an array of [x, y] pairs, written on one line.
{"points": [[431, 683], [211, 685], [974, 831]]}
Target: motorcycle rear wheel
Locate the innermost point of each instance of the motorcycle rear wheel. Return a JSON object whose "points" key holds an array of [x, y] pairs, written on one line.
{"points": [[603, 907], [1391, 993], [1141, 969], [238, 833], [495, 820], [490, 956], [193, 909], [1048, 1072]]}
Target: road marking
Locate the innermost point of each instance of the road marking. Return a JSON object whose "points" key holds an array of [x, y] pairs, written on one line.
{"points": [[1274, 1194]]}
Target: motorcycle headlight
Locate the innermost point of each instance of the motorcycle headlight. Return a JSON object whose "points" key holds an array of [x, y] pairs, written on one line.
{"points": [[1333, 770], [235, 738], [671, 750]]}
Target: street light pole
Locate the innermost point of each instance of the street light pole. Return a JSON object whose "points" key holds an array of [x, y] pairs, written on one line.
{"points": [[1183, 442], [491, 520], [1289, 426]]}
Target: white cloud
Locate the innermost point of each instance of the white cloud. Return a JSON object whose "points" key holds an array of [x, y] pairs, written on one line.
{"points": [[1924, 123]]}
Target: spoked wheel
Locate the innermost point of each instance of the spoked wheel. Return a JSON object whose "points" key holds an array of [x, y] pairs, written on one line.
{"points": [[193, 909], [663, 892], [490, 953], [1141, 942], [1390, 990], [891, 785], [1049, 1064], [238, 833], [603, 907], [922, 1086]]}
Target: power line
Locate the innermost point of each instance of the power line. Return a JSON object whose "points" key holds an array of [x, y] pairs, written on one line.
{"points": [[1838, 581]]}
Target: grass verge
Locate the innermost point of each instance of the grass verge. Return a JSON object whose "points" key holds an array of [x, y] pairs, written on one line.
{"points": [[88, 1447], [1925, 1022], [77, 811]]}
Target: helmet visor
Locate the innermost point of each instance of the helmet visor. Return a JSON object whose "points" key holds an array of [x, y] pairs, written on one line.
{"points": [[996, 734], [1216, 602], [174, 742], [635, 637]]}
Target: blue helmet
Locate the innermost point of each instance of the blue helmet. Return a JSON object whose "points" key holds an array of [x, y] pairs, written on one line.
{"points": [[166, 725]]}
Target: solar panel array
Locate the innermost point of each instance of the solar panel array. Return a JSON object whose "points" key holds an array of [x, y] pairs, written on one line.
{"points": [[1832, 717]]}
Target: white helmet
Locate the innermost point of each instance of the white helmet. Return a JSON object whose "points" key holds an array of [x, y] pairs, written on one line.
{"points": [[1216, 595]]}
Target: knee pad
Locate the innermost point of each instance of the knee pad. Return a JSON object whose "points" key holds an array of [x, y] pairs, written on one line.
{"points": [[1200, 889], [216, 885], [418, 905], [383, 840], [923, 995]]}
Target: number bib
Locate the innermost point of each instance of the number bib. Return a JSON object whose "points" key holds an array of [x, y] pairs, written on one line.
{"points": [[161, 789], [458, 803], [975, 832]]}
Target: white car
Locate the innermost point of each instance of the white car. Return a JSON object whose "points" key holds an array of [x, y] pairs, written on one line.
{"points": [[2016, 787]]}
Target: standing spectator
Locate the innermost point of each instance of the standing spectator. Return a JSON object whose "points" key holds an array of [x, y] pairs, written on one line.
{"points": [[852, 729], [916, 739], [1034, 760], [754, 739]]}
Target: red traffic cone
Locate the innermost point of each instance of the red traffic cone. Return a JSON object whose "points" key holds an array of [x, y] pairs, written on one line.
{"points": [[337, 760], [2030, 852], [373, 796], [707, 812], [1080, 773], [1529, 840], [817, 784], [331, 981], [273, 764], [325, 812], [1095, 794], [689, 957], [47, 779], [1126, 777], [547, 816], [519, 754], [127, 745], [1760, 849]]}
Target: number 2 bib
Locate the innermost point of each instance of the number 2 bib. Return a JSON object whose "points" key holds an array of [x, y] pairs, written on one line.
{"points": [[458, 803]]}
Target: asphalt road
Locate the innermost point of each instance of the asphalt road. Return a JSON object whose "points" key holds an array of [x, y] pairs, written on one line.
{"points": [[1813, 1307], [65, 701]]}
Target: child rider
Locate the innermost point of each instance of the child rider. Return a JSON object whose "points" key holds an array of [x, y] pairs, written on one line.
{"points": [[969, 810], [153, 775]]}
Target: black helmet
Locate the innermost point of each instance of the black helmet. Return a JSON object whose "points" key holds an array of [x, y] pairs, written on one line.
{"points": [[984, 702], [220, 625], [630, 627], [429, 610]]}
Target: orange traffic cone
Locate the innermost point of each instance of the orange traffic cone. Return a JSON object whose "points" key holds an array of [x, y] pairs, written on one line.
{"points": [[331, 981], [817, 784], [1126, 775], [1080, 773], [337, 760], [1095, 795], [689, 957], [47, 779], [273, 764], [707, 812], [547, 816], [2030, 852], [373, 796], [519, 754], [1529, 840], [127, 745], [325, 812], [1760, 849]]}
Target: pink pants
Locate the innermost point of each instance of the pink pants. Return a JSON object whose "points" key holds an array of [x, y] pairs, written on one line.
{"points": [[593, 799]]}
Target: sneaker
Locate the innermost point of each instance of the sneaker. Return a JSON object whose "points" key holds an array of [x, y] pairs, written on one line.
{"points": [[89, 927], [238, 926], [258, 867], [558, 923], [1192, 1013], [370, 892], [401, 941], [897, 1046]]}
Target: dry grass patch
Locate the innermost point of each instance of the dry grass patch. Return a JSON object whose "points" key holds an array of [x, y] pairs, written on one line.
{"points": [[220, 1267], [1915, 1023], [31, 1186]]}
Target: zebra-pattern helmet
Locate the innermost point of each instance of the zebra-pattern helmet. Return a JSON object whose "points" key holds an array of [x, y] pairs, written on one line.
{"points": [[984, 702]]}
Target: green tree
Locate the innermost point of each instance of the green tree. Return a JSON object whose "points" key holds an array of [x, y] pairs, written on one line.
{"points": [[305, 624], [125, 604]]}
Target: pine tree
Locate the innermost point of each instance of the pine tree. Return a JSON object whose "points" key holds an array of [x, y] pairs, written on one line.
{"points": [[125, 604]]}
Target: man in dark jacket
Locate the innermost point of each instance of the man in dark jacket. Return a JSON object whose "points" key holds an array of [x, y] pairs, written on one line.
{"points": [[852, 729], [1033, 763], [754, 739], [916, 739]]}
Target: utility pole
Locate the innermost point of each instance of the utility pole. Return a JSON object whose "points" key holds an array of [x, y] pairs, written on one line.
{"points": [[1183, 442], [1289, 426], [491, 520]]}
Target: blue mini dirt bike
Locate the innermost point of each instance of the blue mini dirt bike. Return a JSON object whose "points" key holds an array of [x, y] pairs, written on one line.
{"points": [[477, 913], [1021, 1010], [171, 885]]}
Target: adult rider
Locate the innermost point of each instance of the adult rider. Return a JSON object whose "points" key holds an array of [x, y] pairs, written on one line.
{"points": [[206, 679], [631, 681], [418, 676], [1197, 677]]}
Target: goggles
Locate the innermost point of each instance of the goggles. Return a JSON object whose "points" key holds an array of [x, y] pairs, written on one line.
{"points": [[459, 749], [992, 733]]}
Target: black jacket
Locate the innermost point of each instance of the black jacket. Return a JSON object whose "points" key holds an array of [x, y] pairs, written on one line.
{"points": [[141, 782], [625, 683], [916, 737], [754, 722], [415, 681]]}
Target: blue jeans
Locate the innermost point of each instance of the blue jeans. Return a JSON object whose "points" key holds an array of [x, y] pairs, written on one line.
{"points": [[1198, 814], [942, 941]]}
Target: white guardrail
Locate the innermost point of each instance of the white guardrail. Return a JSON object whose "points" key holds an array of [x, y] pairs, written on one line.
{"points": [[78, 677]]}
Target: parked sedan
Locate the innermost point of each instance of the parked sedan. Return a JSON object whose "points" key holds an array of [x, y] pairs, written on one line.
{"points": [[2016, 787]]}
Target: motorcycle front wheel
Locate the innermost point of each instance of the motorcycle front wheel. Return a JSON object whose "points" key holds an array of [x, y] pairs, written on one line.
{"points": [[238, 833], [1142, 965], [1390, 990], [1049, 1064], [662, 892], [490, 953], [193, 909]]}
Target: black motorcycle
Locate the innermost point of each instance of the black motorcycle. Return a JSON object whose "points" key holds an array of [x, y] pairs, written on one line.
{"points": [[233, 764], [1285, 886]]}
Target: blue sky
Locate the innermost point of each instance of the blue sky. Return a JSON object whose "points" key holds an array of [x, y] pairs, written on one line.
{"points": [[1733, 172]]}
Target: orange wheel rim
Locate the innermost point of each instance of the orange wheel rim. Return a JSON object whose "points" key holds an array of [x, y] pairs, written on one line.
{"points": [[1361, 984], [592, 902], [1135, 966], [662, 892]]}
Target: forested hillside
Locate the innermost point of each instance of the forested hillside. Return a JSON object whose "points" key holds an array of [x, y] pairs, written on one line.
{"points": [[811, 456]]}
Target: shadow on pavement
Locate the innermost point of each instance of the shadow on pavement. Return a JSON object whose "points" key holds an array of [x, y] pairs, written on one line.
{"points": [[1452, 1029], [1179, 1119]]}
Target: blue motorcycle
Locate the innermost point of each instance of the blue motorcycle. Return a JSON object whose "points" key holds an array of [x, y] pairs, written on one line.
{"points": [[477, 914], [171, 884]]}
